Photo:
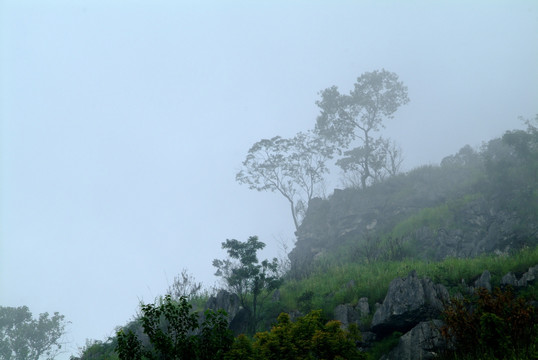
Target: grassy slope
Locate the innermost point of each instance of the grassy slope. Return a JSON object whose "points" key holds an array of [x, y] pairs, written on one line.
{"points": [[331, 285]]}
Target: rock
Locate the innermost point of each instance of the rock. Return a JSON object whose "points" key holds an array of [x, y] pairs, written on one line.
{"points": [[346, 314], [349, 314], [529, 277], [408, 302], [509, 280], [367, 340], [237, 316], [484, 281], [240, 322], [226, 301], [363, 307], [422, 342]]}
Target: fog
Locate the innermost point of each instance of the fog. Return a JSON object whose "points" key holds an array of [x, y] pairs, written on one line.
{"points": [[124, 123]]}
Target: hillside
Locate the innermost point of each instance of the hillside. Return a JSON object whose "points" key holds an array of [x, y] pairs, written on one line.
{"points": [[389, 257], [474, 202]]}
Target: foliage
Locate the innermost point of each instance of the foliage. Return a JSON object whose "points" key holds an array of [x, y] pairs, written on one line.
{"points": [[215, 339], [327, 282], [129, 347], [98, 350], [174, 333], [501, 176], [490, 193], [244, 275], [384, 346], [307, 338], [241, 349], [292, 167], [497, 323], [184, 285], [359, 115], [168, 326], [22, 337], [511, 164]]}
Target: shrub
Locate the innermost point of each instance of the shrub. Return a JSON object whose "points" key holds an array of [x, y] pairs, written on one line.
{"points": [[495, 323]]}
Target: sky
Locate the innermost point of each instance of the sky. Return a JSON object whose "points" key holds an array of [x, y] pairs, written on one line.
{"points": [[124, 123]]}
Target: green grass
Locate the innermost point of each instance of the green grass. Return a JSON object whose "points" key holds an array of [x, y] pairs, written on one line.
{"points": [[384, 346], [433, 217], [329, 284]]}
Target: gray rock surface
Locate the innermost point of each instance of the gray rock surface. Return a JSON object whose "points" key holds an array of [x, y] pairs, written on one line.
{"points": [[422, 342], [359, 215], [349, 314], [346, 314], [363, 307], [509, 279], [409, 301], [484, 281], [224, 300], [529, 277]]}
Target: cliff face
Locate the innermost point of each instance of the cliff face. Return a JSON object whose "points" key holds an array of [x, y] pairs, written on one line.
{"points": [[473, 203]]}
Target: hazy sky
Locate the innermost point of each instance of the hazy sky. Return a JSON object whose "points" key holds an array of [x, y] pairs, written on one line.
{"points": [[123, 124]]}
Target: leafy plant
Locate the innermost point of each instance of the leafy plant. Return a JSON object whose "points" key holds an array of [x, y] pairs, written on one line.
{"points": [[244, 275], [309, 337], [174, 333], [23, 337], [496, 323]]}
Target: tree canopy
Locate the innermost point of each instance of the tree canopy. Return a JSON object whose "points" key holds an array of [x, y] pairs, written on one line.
{"points": [[246, 276], [358, 116], [174, 333], [292, 167], [23, 337]]}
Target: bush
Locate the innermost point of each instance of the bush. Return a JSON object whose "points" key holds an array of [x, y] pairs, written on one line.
{"points": [[308, 338], [498, 324]]}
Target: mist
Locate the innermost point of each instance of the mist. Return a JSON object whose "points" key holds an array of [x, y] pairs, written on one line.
{"points": [[123, 127]]}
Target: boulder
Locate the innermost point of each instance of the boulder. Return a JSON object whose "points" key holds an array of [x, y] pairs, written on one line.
{"points": [[363, 307], [240, 322], [224, 300], [509, 280], [349, 314], [422, 342], [484, 281], [367, 340], [408, 302], [346, 314], [529, 277]]}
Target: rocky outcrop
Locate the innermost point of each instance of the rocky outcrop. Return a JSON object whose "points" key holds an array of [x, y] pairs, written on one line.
{"points": [[409, 301], [226, 301], [423, 342], [415, 304], [238, 317], [349, 314], [435, 210], [527, 278]]}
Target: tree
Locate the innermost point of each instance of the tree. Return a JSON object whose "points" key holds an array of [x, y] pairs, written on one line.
{"points": [[22, 337], [244, 275], [292, 167], [345, 118], [174, 333], [184, 285]]}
